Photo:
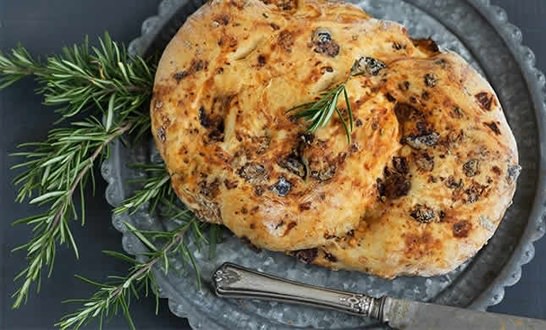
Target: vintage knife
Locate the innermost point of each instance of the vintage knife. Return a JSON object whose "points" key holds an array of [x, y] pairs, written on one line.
{"points": [[233, 281]]}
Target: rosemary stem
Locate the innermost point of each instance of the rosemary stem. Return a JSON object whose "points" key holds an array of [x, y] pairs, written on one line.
{"points": [[40, 255], [117, 133], [103, 82], [117, 293]]}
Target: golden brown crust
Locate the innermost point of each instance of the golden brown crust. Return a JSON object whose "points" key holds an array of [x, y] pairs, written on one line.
{"points": [[222, 92], [461, 182], [220, 121]]}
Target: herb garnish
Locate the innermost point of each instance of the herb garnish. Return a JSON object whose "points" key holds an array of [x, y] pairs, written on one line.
{"points": [[319, 113], [112, 89]]}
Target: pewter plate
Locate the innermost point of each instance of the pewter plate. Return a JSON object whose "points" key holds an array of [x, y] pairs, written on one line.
{"points": [[480, 33]]}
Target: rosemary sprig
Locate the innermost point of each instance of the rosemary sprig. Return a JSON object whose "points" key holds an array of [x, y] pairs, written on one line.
{"points": [[319, 113], [155, 189], [83, 76], [157, 194], [57, 169], [117, 293], [105, 82]]}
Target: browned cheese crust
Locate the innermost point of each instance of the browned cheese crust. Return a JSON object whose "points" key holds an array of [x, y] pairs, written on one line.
{"points": [[424, 183]]}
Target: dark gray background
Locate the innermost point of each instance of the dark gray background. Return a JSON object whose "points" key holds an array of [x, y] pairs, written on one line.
{"points": [[44, 26]]}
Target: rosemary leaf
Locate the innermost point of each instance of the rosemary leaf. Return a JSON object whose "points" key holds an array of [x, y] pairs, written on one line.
{"points": [[15, 66]]}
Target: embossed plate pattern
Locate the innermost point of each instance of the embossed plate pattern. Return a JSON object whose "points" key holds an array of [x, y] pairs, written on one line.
{"points": [[480, 33]]}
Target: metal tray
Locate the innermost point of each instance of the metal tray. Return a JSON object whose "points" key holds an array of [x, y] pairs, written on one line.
{"points": [[480, 33]]}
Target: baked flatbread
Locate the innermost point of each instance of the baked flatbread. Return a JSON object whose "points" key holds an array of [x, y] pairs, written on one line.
{"points": [[221, 120]]}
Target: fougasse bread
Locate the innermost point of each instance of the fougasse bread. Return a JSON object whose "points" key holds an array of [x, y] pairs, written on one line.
{"points": [[428, 173]]}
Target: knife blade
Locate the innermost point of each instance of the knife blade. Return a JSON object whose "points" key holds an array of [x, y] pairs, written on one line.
{"points": [[234, 281], [405, 314]]}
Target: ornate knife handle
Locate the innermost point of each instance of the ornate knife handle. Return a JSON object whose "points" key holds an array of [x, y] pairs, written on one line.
{"points": [[233, 281]]}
